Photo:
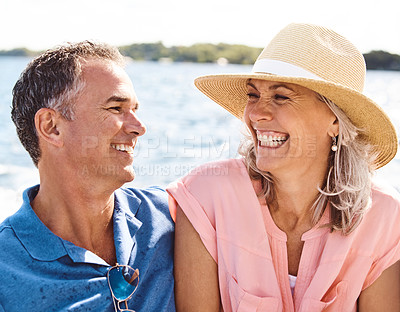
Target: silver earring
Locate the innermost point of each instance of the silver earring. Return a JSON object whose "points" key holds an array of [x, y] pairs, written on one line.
{"points": [[334, 145]]}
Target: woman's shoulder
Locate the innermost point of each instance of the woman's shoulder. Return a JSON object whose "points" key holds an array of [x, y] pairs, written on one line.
{"points": [[232, 163], [382, 219], [216, 171], [218, 179], [378, 235], [384, 199]]}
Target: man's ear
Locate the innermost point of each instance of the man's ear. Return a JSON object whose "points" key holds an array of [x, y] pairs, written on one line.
{"points": [[46, 122]]}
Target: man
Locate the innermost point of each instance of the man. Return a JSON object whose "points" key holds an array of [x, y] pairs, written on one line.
{"points": [[78, 234]]}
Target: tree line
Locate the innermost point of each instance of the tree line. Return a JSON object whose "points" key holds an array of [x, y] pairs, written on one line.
{"points": [[197, 53], [209, 53]]}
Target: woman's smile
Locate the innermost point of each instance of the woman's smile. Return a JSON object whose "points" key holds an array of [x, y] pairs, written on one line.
{"points": [[271, 139]]}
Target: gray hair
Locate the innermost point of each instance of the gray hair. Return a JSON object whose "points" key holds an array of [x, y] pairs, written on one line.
{"points": [[53, 80], [348, 178]]}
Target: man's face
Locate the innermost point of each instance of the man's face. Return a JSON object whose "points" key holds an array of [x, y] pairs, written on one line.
{"points": [[99, 142]]}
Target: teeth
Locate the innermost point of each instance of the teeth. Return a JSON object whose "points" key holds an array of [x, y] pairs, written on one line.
{"points": [[123, 148], [271, 141]]}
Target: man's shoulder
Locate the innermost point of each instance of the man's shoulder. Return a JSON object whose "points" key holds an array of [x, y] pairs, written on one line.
{"points": [[149, 206], [6, 229], [145, 202], [8, 239], [153, 194]]}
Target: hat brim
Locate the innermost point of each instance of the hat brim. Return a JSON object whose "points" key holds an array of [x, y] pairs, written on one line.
{"points": [[230, 91]]}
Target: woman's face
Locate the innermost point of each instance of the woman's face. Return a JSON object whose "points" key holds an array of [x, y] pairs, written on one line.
{"points": [[292, 129]]}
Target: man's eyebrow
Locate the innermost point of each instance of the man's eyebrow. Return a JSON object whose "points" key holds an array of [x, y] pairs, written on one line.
{"points": [[117, 98], [120, 99]]}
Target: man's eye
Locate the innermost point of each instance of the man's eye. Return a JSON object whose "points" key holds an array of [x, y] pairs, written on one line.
{"points": [[115, 108]]}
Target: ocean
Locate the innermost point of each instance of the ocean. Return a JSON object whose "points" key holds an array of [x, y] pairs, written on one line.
{"points": [[184, 127]]}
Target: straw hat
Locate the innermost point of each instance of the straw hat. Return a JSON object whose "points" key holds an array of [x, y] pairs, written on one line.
{"points": [[321, 60]]}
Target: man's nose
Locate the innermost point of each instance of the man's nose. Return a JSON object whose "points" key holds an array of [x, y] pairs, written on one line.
{"points": [[132, 124]]}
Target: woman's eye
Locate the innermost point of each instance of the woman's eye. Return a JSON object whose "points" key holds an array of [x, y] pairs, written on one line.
{"points": [[252, 95], [280, 97]]}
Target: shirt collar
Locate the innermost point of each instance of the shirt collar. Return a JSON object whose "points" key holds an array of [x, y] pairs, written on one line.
{"points": [[44, 245], [125, 224], [37, 239]]}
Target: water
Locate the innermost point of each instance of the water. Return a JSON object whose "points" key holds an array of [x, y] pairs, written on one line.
{"points": [[184, 128]]}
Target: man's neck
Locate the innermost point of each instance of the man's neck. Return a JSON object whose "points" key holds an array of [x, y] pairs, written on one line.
{"points": [[78, 214]]}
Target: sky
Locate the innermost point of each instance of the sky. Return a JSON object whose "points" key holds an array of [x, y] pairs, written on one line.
{"points": [[41, 24]]}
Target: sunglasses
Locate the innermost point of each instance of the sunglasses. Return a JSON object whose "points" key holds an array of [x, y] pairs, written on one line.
{"points": [[123, 281]]}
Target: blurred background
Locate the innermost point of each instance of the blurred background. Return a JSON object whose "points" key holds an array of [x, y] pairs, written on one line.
{"points": [[185, 128]]}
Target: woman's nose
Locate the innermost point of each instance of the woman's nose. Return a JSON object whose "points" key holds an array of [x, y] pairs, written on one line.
{"points": [[262, 110]]}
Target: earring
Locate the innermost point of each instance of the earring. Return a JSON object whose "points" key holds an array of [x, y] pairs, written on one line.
{"points": [[334, 145]]}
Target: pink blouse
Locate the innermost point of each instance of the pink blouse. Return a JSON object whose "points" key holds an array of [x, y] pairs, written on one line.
{"points": [[250, 250]]}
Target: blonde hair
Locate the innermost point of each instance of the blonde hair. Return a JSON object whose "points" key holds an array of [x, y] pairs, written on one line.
{"points": [[348, 178]]}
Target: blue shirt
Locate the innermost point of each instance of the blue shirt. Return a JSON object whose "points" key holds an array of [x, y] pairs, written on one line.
{"points": [[39, 271]]}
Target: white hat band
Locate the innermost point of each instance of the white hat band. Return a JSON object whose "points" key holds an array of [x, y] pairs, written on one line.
{"points": [[282, 68]]}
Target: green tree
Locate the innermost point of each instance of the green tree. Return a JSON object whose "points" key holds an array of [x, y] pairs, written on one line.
{"points": [[18, 52], [144, 51], [382, 60]]}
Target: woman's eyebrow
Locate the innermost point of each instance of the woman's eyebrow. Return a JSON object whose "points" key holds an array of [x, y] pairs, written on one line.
{"points": [[273, 87], [280, 85], [251, 85]]}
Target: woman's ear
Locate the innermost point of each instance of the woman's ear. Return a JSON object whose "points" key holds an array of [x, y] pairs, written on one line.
{"points": [[333, 130], [46, 122]]}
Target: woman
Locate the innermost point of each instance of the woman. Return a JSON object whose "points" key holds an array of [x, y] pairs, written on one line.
{"points": [[296, 224]]}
